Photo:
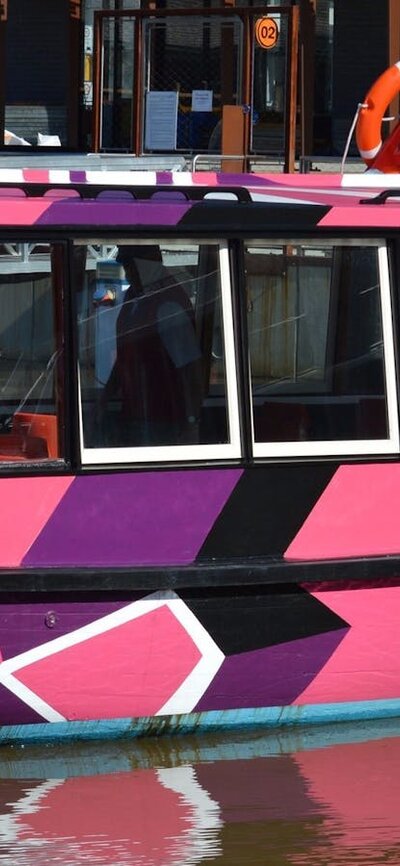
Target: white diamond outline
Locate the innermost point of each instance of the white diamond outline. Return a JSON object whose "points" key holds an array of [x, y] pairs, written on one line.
{"points": [[183, 700]]}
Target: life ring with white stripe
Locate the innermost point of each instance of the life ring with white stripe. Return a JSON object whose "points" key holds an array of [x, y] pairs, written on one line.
{"points": [[368, 127]]}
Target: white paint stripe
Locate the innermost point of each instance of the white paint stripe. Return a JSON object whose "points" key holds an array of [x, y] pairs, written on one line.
{"points": [[388, 347], [59, 175], [99, 626], [8, 175], [191, 690], [127, 178], [370, 179], [31, 699], [185, 697]]}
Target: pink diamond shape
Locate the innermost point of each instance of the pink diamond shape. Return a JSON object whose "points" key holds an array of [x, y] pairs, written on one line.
{"points": [[130, 670]]}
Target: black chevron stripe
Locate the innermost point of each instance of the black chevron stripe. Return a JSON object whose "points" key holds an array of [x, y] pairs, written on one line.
{"points": [[266, 510]]}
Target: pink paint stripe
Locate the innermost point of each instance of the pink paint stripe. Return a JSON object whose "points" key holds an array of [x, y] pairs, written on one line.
{"points": [[111, 681], [36, 175], [366, 664], [298, 180], [22, 212], [368, 215], [357, 515], [26, 505]]}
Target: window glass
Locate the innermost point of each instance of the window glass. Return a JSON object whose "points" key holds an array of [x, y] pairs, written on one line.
{"points": [[315, 343], [151, 346], [29, 353]]}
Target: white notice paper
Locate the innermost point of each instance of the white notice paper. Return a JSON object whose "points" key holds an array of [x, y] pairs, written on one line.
{"points": [[202, 100], [161, 120]]}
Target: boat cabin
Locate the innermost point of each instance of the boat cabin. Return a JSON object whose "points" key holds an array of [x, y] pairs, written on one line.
{"points": [[184, 323]]}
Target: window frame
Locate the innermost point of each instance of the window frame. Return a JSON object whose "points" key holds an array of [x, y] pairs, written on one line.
{"points": [[58, 273], [346, 447], [178, 453]]}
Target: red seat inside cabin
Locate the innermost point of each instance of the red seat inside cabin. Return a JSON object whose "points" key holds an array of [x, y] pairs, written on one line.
{"points": [[32, 437]]}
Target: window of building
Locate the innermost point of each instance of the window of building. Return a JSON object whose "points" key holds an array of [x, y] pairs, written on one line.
{"points": [[30, 354], [156, 355], [320, 346]]}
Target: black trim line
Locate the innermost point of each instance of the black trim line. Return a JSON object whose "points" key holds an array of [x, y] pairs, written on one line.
{"points": [[242, 348], [203, 576]]}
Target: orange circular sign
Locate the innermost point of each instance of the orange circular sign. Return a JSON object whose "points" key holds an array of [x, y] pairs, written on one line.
{"points": [[266, 32]]}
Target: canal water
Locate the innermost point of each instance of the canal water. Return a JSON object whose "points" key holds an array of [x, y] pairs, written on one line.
{"points": [[328, 795]]}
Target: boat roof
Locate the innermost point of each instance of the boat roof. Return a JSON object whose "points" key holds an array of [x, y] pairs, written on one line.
{"points": [[167, 200]]}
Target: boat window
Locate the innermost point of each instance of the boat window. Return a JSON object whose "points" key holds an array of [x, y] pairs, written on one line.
{"points": [[29, 353], [156, 358], [320, 347]]}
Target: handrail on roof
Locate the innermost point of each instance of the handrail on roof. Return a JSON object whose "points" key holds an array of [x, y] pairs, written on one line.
{"points": [[93, 190], [382, 197]]}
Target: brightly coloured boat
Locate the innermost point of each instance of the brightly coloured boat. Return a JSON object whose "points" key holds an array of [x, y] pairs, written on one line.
{"points": [[199, 446]]}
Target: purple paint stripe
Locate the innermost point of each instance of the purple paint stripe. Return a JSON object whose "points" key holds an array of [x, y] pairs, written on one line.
{"points": [[245, 180], [271, 677], [133, 519], [164, 177], [13, 711], [24, 626], [77, 176], [99, 213]]}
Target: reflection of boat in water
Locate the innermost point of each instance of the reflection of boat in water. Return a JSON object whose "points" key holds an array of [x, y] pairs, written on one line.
{"points": [[235, 564], [332, 798]]}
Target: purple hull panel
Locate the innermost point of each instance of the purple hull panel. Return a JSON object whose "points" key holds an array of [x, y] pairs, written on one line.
{"points": [[24, 626], [274, 676], [131, 519], [121, 213], [12, 708]]}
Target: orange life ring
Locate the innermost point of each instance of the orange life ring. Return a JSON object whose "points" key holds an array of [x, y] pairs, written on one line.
{"points": [[368, 128]]}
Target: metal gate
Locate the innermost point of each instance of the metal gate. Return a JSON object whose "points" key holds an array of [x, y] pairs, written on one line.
{"points": [[166, 81]]}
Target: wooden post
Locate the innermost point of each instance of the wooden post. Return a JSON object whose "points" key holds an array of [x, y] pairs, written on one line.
{"points": [[233, 137]]}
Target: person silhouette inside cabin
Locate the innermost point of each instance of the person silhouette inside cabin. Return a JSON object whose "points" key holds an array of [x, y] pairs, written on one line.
{"points": [[156, 376]]}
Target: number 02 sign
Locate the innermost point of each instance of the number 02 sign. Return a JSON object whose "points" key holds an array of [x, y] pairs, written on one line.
{"points": [[266, 32]]}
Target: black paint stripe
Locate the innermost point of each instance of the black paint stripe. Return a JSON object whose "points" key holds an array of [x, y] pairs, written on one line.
{"points": [[266, 510]]}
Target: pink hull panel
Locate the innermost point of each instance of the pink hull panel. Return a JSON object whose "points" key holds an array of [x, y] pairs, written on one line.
{"points": [[366, 664], [358, 514]]}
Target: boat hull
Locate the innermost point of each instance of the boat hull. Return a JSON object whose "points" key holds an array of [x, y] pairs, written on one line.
{"points": [[150, 663]]}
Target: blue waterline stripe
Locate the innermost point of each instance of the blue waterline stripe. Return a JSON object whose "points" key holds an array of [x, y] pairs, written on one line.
{"points": [[57, 761], [195, 723]]}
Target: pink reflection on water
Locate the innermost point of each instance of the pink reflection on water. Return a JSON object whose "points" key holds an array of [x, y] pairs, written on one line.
{"points": [[152, 817], [335, 805]]}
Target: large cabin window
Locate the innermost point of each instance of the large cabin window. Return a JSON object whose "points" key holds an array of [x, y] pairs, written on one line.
{"points": [[156, 357], [30, 353], [320, 348]]}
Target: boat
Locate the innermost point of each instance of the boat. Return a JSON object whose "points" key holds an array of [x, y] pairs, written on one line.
{"points": [[199, 452]]}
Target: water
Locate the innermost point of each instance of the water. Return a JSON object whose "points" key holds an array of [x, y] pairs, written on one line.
{"points": [[317, 797]]}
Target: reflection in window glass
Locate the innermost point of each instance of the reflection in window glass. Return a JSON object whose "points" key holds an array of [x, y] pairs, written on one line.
{"points": [[315, 342], [151, 349], [29, 358]]}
